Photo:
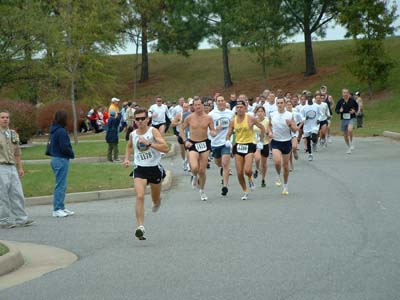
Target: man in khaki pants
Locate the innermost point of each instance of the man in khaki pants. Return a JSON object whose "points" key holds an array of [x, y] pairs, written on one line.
{"points": [[12, 212]]}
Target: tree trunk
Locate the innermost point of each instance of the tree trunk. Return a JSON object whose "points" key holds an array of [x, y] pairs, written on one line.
{"points": [[310, 65], [74, 116], [135, 68], [144, 75], [225, 61]]}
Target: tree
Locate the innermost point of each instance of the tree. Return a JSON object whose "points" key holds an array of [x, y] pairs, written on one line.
{"points": [[311, 16], [369, 22], [263, 28]]}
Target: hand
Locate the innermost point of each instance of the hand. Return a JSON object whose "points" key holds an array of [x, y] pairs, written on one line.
{"points": [[21, 172], [341, 109], [260, 146], [288, 122], [228, 144], [142, 140], [219, 127], [188, 144], [270, 135], [352, 111], [126, 163]]}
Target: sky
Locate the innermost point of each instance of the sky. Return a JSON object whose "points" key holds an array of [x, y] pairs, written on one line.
{"points": [[334, 32]]}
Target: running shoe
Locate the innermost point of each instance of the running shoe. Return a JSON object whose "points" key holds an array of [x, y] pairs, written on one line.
{"points": [[203, 196], [224, 191], [285, 192], [69, 212], [139, 233], [194, 182], [314, 147], [252, 186], [263, 183], [155, 207], [310, 157], [352, 147], [278, 181], [185, 167], [245, 195], [255, 174], [348, 151], [295, 155]]}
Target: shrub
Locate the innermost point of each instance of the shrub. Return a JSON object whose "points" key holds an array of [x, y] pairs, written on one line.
{"points": [[46, 114], [22, 116]]}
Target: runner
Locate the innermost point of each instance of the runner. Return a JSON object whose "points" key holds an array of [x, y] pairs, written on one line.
{"points": [[298, 120], [261, 154], [198, 144], [221, 153], [347, 108], [311, 114], [323, 119], [158, 113], [244, 148], [147, 144], [328, 99], [176, 123], [281, 124]]}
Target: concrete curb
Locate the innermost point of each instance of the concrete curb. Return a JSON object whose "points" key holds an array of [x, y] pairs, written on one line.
{"points": [[101, 159], [10, 261], [97, 195], [391, 134]]}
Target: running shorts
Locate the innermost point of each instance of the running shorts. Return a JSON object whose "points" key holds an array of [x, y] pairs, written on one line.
{"points": [[285, 147]]}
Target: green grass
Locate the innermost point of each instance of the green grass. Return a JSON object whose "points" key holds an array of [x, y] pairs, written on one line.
{"points": [[39, 179], [3, 249]]}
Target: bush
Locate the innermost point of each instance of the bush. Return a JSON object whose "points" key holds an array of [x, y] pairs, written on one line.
{"points": [[46, 114], [22, 116]]}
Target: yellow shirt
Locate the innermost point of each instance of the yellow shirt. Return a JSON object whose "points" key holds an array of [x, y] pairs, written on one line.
{"points": [[244, 134], [257, 132], [113, 107]]}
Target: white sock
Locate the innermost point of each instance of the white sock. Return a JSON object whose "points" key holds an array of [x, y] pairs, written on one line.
{"points": [[285, 186]]}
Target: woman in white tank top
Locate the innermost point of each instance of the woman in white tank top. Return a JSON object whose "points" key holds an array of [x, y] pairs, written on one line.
{"points": [[147, 144]]}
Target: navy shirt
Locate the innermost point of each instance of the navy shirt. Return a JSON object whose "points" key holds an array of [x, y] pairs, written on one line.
{"points": [[60, 144], [347, 106]]}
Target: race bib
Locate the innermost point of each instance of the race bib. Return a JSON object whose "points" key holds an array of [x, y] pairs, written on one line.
{"points": [[145, 156], [346, 116], [200, 147], [223, 122], [244, 149]]}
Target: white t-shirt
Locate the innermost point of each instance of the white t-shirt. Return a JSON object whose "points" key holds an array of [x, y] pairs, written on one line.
{"points": [[269, 109], [144, 156], [222, 118], [324, 110], [280, 130], [311, 114], [158, 113]]}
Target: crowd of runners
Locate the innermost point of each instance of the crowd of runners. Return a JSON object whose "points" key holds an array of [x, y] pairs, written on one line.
{"points": [[243, 129]]}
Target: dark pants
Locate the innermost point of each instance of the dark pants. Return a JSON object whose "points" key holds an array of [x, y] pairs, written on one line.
{"points": [[360, 121], [112, 147]]}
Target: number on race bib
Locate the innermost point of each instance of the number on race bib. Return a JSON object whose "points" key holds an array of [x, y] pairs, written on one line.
{"points": [[244, 149], [200, 147], [145, 156], [346, 116]]}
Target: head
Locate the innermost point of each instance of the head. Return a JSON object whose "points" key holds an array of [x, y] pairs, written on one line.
{"points": [[271, 98], [279, 93], [241, 107], [158, 100], [295, 100], [262, 99], [141, 117], [317, 98], [260, 112], [303, 99], [345, 94], [4, 119], [60, 118], [289, 105], [198, 106], [324, 90], [113, 114], [185, 107], [181, 101], [115, 101], [266, 93], [232, 97], [221, 104], [207, 107], [251, 100], [280, 103], [357, 95], [309, 97]]}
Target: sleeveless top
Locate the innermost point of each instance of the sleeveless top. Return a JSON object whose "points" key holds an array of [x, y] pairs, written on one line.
{"points": [[243, 133], [145, 156], [257, 132]]}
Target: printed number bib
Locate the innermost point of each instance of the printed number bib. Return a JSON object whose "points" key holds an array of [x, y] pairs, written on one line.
{"points": [[224, 123], [200, 147], [346, 116], [145, 156], [244, 149]]}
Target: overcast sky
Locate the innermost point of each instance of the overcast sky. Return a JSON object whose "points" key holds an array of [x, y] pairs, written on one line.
{"points": [[335, 32]]}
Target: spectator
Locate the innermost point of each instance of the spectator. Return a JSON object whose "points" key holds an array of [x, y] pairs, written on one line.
{"points": [[360, 112], [12, 211], [112, 136], [61, 152], [114, 106]]}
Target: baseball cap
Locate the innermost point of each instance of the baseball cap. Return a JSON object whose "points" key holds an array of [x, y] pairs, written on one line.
{"points": [[112, 113], [114, 100], [190, 100]]}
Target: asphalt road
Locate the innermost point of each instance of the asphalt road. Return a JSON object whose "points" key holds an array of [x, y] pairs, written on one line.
{"points": [[336, 236]]}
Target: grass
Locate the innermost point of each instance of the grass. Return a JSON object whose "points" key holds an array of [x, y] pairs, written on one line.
{"points": [[3, 249], [39, 179]]}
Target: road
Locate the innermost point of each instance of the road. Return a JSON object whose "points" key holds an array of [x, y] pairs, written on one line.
{"points": [[336, 236]]}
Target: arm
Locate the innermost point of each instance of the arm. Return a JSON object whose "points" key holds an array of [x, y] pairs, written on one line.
{"points": [[213, 132], [182, 132], [270, 133], [259, 125], [128, 151], [176, 121], [338, 107], [230, 131], [160, 144]]}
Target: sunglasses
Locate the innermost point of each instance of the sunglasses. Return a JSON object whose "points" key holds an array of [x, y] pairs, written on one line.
{"points": [[140, 119]]}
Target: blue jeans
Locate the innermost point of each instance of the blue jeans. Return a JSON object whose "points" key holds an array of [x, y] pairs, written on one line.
{"points": [[60, 168]]}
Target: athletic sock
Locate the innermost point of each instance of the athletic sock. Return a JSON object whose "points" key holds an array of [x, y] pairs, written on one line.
{"points": [[285, 185]]}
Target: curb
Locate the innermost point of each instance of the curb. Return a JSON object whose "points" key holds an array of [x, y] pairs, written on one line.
{"points": [[94, 159], [391, 134], [97, 195], [10, 261]]}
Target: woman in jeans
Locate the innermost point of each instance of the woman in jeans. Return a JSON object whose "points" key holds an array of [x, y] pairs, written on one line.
{"points": [[61, 152]]}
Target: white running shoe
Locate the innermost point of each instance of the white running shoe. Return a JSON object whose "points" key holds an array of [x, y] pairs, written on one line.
{"points": [[69, 212], [278, 181], [315, 147], [194, 182], [329, 139], [185, 168], [310, 157], [352, 147], [203, 196], [285, 192], [59, 213], [245, 195], [252, 186], [348, 150]]}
